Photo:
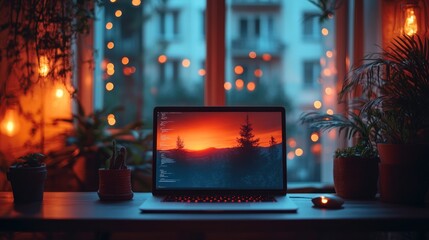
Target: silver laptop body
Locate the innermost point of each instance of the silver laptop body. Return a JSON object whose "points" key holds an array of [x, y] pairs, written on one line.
{"points": [[219, 159]]}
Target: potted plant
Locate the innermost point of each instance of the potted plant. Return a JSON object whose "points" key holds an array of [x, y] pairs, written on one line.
{"points": [[115, 181], [27, 177], [355, 167], [88, 143], [395, 86]]}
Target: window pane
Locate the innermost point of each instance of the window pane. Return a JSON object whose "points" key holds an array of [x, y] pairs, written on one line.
{"points": [[275, 59], [276, 54], [165, 46]]}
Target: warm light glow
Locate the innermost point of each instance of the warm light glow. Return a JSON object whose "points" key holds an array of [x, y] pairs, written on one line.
{"points": [[330, 111], [239, 83], [290, 155], [129, 70], [251, 86], [125, 60], [110, 66], [329, 54], [291, 142], [186, 63], [110, 45], [110, 116], [10, 124], [110, 71], [44, 66], [162, 59], [59, 93], [238, 69], [118, 13], [314, 137], [325, 31], [329, 91], [299, 152], [202, 72], [112, 1], [327, 72], [252, 55], [109, 86], [111, 121], [227, 86], [323, 200], [410, 24], [266, 57], [109, 25], [223, 131], [317, 104], [258, 73], [136, 2]]}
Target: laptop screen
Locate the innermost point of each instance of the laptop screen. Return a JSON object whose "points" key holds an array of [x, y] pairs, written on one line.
{"points": [[219, 148]]}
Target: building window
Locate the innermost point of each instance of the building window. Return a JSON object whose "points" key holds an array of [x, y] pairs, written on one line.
{"points": [[169, 24], [311, 73], [311, 26]]}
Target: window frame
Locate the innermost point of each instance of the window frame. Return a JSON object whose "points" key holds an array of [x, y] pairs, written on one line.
{"points": [[91, 85]]}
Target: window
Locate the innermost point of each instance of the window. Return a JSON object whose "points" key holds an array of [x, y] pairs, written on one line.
{"points": [[311, 73], [311, 29], [266, 63], [169, 24]]}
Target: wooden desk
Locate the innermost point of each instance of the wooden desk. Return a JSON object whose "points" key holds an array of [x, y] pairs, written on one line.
{"points": [[74, 211]]}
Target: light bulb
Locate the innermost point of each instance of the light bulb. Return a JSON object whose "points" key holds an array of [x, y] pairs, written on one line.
{"points": [[410, 22], [10, 124], [44, 66]]}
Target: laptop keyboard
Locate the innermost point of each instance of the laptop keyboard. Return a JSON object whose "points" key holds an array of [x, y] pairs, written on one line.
{"points": [[219, 199]]}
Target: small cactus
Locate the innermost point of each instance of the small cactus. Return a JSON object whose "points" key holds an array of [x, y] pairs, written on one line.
{"points": [[119, 155]]}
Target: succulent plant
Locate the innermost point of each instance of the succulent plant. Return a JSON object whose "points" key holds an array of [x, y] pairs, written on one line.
{"points": [[30, 160]]}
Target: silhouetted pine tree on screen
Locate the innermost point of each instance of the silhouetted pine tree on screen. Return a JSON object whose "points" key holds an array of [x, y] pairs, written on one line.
{"points": [[247, 143], [180, 145]]}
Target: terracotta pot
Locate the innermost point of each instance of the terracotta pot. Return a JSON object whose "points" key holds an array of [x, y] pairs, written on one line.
{"points": [[115, 184], [404, 173], [28, 183], [356, 178]]}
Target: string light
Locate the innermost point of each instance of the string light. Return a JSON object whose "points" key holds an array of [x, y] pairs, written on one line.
{"points": [[227, 86], [258, 73], [251, 86], [110, 45], [186, 63], [325, 31], [109, 25], [238, 70], [125, 60], [317, 104], [299, 152], [252, 54], [109, 86], [162, 59], [239, 83], [202, 72]]}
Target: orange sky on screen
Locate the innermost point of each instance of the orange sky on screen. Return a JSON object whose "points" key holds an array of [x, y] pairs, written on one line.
{"points": [[210, 130]]}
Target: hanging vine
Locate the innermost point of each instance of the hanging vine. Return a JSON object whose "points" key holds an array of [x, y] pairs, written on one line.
{"points": [[37, 39]]}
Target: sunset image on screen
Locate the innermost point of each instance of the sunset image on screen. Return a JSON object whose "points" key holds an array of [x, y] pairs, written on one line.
{"points": [[211, 130], [229, 150]]}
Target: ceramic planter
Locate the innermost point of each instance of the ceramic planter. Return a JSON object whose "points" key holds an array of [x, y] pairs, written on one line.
{"points": [[115, 184], [404, 173], [356, 178], [28, 183]]}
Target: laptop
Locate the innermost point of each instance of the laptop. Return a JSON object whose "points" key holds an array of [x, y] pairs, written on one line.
{"points": [[219, 159]]}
